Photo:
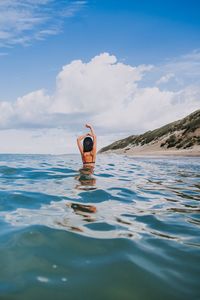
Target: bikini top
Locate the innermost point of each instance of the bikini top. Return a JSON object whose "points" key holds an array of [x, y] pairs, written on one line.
{"points": [[89, 162]]}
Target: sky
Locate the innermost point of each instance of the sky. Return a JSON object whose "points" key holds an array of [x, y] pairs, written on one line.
{"points": [[125, 66]]}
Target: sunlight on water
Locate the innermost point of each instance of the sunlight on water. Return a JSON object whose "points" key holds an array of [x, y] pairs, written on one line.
{"points": [[134, 220]]}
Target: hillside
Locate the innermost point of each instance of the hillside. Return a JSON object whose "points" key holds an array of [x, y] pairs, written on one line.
{"points": [[180, 135]]}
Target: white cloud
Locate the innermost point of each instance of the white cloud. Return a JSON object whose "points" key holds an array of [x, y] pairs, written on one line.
{"points": [[103, 91], [22, 21], [41, 141], [95, 86], [28, 110], [83, 91], [165, 78], [180, 71]]}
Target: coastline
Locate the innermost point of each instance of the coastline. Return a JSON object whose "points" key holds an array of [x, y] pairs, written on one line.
{"points": [[155, 151]]}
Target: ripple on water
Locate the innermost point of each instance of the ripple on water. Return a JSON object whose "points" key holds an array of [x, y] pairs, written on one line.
{"points": [[133, 223]]}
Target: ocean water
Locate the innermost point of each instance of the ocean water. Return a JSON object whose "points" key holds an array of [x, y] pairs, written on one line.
{"points": [[130, 230]]}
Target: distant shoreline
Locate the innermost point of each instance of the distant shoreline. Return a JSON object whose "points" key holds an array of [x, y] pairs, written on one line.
{"points": [[179, 138], [167, 153]]}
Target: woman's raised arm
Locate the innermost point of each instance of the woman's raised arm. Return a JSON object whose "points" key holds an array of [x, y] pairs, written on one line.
{"points": [[94, 137], [79, 139]]}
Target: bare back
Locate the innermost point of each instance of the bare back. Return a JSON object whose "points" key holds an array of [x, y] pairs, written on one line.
{"points": [[89, 157]]}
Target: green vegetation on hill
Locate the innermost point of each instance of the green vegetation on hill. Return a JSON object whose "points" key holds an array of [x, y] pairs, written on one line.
{"points": [[180, 134]]}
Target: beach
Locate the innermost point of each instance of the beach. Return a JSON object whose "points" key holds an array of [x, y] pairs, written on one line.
{"points": [[156, 150]]}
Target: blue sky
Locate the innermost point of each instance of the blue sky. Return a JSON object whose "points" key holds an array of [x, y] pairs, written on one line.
{"points": [[137, 32], [38, 38]]}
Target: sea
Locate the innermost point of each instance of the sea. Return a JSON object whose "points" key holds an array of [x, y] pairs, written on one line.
{"points": [[129, 229]]}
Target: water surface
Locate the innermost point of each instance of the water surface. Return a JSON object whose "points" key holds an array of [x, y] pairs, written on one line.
{"points": [[131, 230]]}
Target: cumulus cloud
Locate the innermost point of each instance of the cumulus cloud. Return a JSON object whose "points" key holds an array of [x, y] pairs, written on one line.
{"points": [[96, 86], [22, 21], [83, 91], [28, 110], [105, 92]]}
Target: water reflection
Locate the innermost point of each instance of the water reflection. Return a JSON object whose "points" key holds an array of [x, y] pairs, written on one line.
{"points": [[86, 182], [86, 179]]}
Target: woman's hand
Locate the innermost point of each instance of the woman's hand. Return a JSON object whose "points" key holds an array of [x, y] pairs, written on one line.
{"points": [[91, 129], [88, 126]]}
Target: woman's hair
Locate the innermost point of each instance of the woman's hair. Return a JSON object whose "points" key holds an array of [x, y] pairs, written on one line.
{"points": [[87, 144]]}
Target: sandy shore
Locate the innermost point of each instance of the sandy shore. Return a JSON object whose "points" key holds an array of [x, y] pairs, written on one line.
{"points": [[152, 150]]}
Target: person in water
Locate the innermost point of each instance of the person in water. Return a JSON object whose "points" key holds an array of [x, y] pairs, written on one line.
{"points": [[88, 148], [88, 154]]}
